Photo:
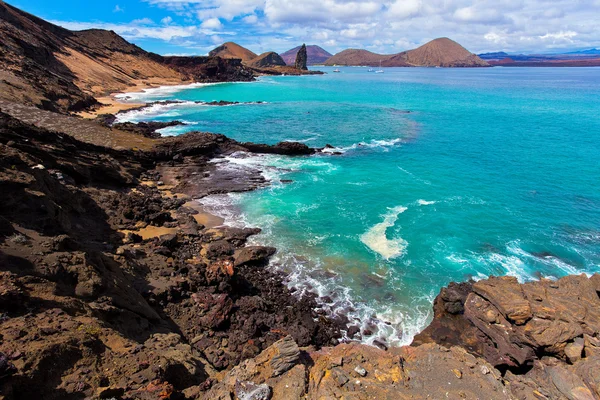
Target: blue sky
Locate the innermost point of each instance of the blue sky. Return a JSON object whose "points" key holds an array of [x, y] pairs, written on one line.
{"points": [[387, 26]]}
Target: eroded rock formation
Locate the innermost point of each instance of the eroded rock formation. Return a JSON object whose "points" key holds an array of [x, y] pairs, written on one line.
{"points": [[301, 58]]}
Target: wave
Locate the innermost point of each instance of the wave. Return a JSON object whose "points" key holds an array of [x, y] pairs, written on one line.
{"points": [[382, 144], [164, 91], [548, 260], [422, 202], [395, 324], [170, 109], [376, 238], [413, 176]]}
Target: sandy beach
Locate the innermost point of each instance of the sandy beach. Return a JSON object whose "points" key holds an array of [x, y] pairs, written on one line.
{"points": [[111, 104]]}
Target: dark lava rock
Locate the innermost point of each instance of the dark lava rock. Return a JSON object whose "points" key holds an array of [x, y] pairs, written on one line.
{"points": [[6, 367], [218, 103], [106, 119], [353, 331], [301, 58], [253, 255], [146, 129], [283, 148]]}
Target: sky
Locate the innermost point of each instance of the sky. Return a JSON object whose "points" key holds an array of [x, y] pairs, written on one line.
{"points": [[194, 27]]}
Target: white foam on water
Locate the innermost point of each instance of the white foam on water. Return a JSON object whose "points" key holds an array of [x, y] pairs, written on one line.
{"points": [[376, 238], [549, 261], [425, 202], [154, 110], [394, 324], [149, 94], [414, 176], [382, 144]]}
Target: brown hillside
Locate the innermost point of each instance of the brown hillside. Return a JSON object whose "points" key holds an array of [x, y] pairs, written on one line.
{"points": [[441, 52], [268, 59], [54, 68], [356, 57], [232, 50]]}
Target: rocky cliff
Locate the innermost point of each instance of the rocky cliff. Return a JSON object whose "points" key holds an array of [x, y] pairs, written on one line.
{"points": [[57, 69]]}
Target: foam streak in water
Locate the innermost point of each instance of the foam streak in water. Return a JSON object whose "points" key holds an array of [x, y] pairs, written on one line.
{"points": [[376, 238]]}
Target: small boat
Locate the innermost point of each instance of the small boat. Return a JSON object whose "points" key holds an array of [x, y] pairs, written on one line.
{"points": [[336, 70], [371, 70], [379, 71]]}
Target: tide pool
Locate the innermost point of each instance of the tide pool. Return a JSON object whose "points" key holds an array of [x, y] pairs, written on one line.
{"points": [[444, 175]]}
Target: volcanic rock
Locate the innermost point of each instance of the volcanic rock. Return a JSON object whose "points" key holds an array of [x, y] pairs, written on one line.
{"points": [[253, 255], [265, 60], [301, 58]]}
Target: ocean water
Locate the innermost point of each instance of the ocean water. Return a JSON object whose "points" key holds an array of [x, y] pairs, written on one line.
{"points": [[445, 175]]}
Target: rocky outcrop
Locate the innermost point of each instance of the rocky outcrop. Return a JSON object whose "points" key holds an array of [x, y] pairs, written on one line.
{"points": [[545, 335], [301, 58], [146, 129], [363, 372], [266, 60], [209, 144]]}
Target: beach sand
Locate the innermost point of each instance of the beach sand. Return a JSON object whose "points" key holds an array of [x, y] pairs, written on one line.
{"points": [[111, 104]]}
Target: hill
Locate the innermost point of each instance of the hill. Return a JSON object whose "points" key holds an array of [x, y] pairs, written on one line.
{"points": [[441, 52], [232, 50], [268, 59], [356, 57], [57, 69], [316, 55]]}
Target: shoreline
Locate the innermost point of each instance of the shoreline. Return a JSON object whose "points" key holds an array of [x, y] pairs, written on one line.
{"points": [[110, 104], [197, 313]]}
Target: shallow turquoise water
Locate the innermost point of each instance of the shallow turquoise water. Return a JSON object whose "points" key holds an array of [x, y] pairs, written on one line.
{"points": [[446, 174]]}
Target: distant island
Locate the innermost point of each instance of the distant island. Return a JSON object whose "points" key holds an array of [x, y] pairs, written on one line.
{"points": [[582, 58], [442, 52]]}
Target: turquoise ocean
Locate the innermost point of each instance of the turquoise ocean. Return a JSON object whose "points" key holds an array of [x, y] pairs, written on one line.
{"points": [[444, 175]]}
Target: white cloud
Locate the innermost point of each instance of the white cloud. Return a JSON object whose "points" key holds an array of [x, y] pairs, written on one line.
{"points": [[118, 9], [212, 23], [184, 35], [250, 19], [380, 25], [568, 35], [404, 8], [166, 20], [142, 21]]}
